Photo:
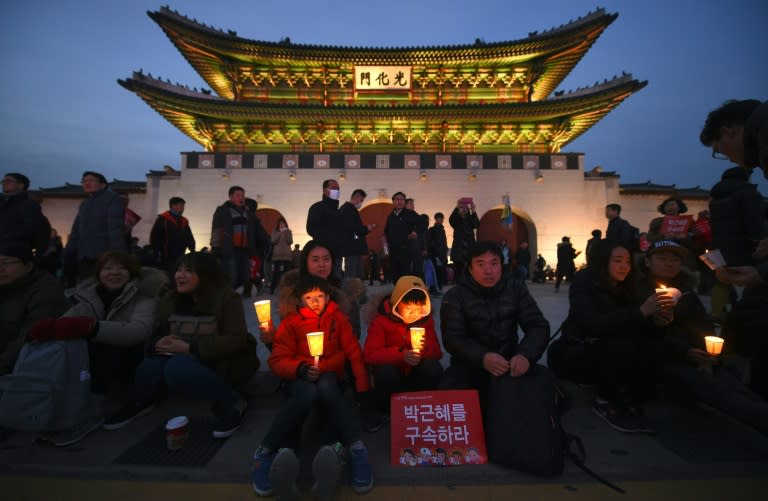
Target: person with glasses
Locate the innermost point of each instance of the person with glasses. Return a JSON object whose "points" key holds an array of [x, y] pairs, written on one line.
{"points": [[738, 130], [27, 295]]}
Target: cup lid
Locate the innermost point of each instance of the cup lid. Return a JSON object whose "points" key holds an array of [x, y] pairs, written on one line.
{"points": [[176, 422]]}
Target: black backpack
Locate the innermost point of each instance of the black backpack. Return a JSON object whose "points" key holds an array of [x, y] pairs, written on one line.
{"points": [[523, 429]]}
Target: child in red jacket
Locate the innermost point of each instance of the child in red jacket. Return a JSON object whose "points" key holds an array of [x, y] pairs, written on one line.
{"points": [[397, 365], [311, 381]]}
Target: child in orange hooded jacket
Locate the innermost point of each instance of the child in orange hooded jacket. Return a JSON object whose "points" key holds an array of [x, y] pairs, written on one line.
{"points": [[398, 365]]}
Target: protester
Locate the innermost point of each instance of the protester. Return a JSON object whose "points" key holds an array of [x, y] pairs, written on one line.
{"points": [[27, 295], [324, 221], [619, 230], [114, 310], [565, 265], [200, 347], [98, 227], [21, 219], [397, 364], [49, 258], [464, 221], [259, 250], [401, 232], [282, 238], [523, 259], [171, 236], [353, 245], [596, 237], [683, 326], [437, 248], [479, 320], [605, 339], [317, 260], [310, 381], [229, 236]]}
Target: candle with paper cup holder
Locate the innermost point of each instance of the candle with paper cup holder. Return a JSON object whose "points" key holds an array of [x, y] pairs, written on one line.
{"points": [[315, 341], [417, 338], [263, 311], [714, 345]]}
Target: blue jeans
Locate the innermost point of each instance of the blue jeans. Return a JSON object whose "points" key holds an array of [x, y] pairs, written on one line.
{"points": [[302, 396], [238, 266], [182, 374]]}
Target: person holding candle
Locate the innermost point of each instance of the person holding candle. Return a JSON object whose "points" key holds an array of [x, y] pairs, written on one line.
{"points": [[399, 365], [608, 339], [317, 260], [276, 466]]}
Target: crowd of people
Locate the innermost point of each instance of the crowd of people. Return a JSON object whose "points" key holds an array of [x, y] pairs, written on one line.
{"points": [[179, 326]]}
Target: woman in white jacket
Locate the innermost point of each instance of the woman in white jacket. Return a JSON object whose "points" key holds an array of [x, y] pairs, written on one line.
{"points": [[121, 297]]}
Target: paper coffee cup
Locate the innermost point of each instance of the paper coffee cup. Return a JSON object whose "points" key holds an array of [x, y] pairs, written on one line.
{"points": [[177, 432], [713, 259]]}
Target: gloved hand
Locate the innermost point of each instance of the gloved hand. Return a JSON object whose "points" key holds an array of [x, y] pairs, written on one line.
{"points": [[63, 328], [74, 327], [42, 330]]}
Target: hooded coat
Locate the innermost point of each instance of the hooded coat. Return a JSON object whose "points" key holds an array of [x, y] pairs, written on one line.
{"points": [[290, 349], [130, 318], [389, 335]]}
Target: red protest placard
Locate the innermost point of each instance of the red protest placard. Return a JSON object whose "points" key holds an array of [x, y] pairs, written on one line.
{"points": [[677, 226], [437, 428]]}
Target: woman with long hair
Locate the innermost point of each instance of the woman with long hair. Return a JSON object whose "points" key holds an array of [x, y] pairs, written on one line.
{"points": [[609, 340], [200, 347], [317, 260]]}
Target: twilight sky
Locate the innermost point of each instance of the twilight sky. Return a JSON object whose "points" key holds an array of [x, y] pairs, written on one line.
{"points": [[62, 111]]}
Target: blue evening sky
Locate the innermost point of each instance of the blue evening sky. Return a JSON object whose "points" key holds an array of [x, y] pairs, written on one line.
{"points": [[62, 111]]}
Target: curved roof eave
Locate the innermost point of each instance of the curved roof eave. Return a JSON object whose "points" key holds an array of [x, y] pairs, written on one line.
{"points": [[557, 50]]}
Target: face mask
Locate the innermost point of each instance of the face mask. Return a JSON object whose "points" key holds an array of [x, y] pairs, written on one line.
{"points": [[333, 194], [358, 205]]}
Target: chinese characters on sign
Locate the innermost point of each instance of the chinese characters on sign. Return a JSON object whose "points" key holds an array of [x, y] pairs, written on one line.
{"points": [[437, 428], [382, 78]]}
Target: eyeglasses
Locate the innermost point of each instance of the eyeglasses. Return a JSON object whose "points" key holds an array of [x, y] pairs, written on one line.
{"points": [[717, 155]]}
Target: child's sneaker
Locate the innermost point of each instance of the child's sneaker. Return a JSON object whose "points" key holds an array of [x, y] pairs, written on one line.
{"points": [[327, 469], [283, 474], [362, 471], [262, 463]]}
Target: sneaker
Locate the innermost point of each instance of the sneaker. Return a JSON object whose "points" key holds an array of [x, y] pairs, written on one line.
{"points": [[262, 463], [362, 471], [76, 433], [327, 470], [127, 414], [619, 419], [283, 475], [227, 422]]}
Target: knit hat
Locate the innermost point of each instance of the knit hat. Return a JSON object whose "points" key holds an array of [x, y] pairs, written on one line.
{"points": [[666, 246], [20, 250], [404, 285]]}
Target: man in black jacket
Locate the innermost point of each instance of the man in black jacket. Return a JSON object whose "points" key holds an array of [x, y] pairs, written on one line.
{"points": [[324, 221], [437, 247], [21, 219], [353, 245], [400, 230], [619, 230], [171, 236], [479, 320]]}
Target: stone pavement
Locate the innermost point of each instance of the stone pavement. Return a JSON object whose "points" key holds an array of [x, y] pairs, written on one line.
{"points": [[698, 453]]}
